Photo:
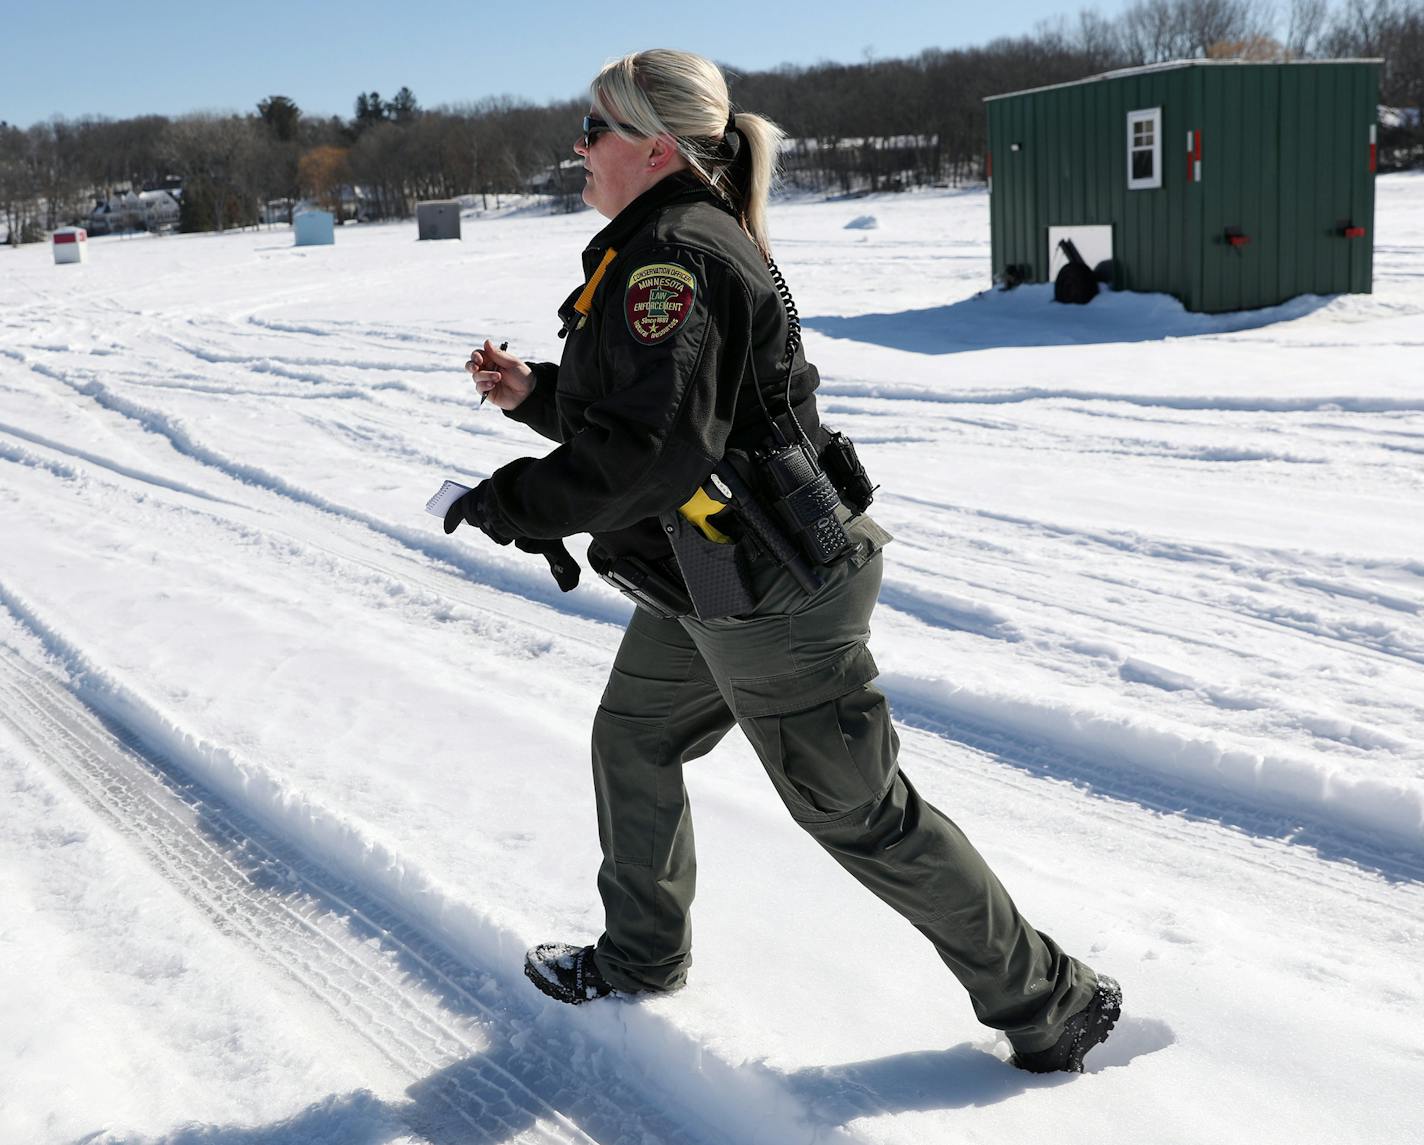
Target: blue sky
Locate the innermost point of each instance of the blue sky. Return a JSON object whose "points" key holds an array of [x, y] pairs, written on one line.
{"points": [[63, 57]]}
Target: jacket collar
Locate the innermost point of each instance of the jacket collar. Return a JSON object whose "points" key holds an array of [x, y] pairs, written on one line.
{"points": [[681, 185]]}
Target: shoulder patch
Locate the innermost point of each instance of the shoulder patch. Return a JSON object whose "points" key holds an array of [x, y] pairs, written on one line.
{"points": [[658, 300]]}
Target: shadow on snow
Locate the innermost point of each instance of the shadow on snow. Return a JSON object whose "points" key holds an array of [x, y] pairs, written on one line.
{"points": [[1028, 317]]}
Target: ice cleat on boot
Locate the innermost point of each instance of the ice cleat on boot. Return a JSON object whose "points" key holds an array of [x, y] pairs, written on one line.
{"points": [[566, 973], [1087, 1028]]}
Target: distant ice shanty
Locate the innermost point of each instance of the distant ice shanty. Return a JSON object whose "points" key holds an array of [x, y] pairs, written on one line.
{"points": [[314, 228], [71, 244], [1229, 184], [438, 219]]}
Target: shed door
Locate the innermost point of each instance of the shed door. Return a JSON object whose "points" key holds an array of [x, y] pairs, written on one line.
{"points": [[1240, 187]]}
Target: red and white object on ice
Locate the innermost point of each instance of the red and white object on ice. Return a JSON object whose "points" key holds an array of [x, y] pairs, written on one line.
{"points": [[71, 244]]}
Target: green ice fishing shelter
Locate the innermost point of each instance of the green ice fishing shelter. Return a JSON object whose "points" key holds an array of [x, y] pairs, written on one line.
{"points": [[1229, 184]]}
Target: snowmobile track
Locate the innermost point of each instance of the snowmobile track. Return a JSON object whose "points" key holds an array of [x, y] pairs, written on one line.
{"points": [[477, 1070]]}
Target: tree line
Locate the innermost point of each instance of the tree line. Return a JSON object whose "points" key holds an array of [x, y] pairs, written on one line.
{"points": [[873, 125], [918, 121]]}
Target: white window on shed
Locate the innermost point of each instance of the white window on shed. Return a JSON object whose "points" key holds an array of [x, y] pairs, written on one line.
{"points": [[1144, 149]]}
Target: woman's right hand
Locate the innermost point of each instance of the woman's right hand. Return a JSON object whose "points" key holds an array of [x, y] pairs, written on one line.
{"points": [[499, 376]]}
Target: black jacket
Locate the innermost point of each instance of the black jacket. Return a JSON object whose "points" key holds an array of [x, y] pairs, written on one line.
{"points": [[656, 382]]}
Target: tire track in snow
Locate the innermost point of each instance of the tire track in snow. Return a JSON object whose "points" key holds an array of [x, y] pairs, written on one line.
{"points": [[432, 594], [1363, 636], [476, 1072], [105, 463], [534, 585], [1376, 825], [577, 1062], [1287, 783]]}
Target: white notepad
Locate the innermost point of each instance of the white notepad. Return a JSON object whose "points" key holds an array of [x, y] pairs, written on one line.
{"points": [[446, 496]]}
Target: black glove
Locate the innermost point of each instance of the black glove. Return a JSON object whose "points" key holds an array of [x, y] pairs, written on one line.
{"points": [[470, 508], [561, 562]]}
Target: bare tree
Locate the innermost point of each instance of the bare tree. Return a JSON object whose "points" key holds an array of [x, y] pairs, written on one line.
{"points": [[216, 155], [18, 193], [1305, 24]]}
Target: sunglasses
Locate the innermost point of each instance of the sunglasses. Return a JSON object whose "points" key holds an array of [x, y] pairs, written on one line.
{"points": [[593, 127]]}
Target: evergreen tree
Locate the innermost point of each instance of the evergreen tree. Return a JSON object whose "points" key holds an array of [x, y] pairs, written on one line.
{"points": [[403, 108], [370, 110], [281, 116]]}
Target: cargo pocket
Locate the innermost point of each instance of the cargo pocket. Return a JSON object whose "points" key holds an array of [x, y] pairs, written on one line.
{"points": [[830, 760]]}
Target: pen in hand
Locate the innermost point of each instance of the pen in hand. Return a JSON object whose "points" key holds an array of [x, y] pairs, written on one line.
{"points": [[502, 346]]}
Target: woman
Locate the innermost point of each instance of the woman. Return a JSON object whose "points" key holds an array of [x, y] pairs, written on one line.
{"points": [[675, 368]]}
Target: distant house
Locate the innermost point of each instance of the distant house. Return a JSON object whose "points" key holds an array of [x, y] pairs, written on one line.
{"points": [[560, 179], [129, 211]]}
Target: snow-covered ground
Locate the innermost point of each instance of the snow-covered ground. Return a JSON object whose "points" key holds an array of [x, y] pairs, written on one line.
{"points": [[291, 779]]}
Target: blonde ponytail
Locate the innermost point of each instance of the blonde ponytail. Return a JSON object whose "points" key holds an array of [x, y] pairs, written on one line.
{"points": [[667, 92]]}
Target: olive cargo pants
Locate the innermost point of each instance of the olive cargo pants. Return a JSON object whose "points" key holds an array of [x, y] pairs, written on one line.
{"points": [[795, 675]]}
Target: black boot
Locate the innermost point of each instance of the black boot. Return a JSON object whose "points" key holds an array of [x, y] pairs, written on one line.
{"points": [[1084, 1030], [566, 973]]}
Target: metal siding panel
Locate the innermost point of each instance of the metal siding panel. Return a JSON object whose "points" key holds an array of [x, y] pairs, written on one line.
{"points": [[1347, 133], [1139, 221], [1103, 190], [1369, 108], [1216, 158], [1099, 120], [1170, 197], [1077, 166], [1046, 182], [1212, 171], [1020, 175], [1362, 114], [994, 134], [1100, 131], [1014, 173], [1267, 285], [1021, 183], [1137, 256], [1340, 180], [1174, 169], [1023, 168], [1232, 273], [1191, 196], [1034, 160], [1051, 149], [1288, 186], [1038, 127], [1359, 134], [1196, 232], [1114, 185], [1319, 149], [996, 197]]}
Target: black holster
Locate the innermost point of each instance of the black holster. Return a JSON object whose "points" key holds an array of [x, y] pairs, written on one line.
{"points": [[642, 582], [716, 574]]}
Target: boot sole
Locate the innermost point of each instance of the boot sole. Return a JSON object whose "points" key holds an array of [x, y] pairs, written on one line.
{"points": [[555, 989], [1098, 1027], [1100, 1016]]}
